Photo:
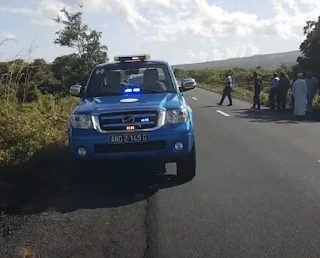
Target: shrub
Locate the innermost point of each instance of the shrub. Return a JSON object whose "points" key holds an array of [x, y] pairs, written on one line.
{"points": [[26, 127]]}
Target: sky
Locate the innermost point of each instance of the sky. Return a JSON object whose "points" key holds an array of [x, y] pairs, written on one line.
{"points": [[177, 31]]}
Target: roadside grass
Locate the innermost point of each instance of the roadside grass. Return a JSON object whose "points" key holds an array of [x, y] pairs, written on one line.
{"points": [[25, 128], [29, 120]]}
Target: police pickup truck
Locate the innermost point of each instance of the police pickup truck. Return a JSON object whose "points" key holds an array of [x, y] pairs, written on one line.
{"points": [[133, 108]]}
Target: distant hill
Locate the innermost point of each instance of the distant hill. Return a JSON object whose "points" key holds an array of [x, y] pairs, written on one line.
{"points": [[268, 62]]}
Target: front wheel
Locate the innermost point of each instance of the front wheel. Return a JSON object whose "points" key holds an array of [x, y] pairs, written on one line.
{"points": [[186, 168]]}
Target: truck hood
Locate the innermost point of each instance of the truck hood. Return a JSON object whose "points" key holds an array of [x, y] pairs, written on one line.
{"points": [[118, 103]]}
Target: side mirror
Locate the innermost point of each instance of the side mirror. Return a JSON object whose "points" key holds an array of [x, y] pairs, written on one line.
{"points": [[75, 90]]}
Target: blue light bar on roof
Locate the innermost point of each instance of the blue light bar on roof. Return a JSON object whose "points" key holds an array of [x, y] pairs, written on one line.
{"points": [[132, 58], [130, 90]]}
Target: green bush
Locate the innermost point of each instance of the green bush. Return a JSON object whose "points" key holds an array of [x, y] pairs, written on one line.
{"points": [[25, 128]]}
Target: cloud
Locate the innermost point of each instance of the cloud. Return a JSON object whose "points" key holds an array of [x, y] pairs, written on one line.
{"points": [[221, 53], [200, 19], [196, 29], [167, 20], [45, 23], [23, 11], [125, 9], [43, 15], [8, 36], [200, 56]]}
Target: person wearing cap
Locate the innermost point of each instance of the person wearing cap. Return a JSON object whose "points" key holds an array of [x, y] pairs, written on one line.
{"points": [[257, 85], [299, 92], [227, 90], [283, 87], [312, 86], [273, 90]]}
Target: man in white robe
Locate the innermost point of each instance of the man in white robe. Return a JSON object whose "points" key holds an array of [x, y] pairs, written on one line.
{"points": [[299, 92]]}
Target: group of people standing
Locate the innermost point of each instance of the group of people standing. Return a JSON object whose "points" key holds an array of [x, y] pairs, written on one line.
{"points": [[279, 87], [303, 92]]}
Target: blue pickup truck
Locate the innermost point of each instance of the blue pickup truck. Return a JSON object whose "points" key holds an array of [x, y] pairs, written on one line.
{"points": [[133, 108]]}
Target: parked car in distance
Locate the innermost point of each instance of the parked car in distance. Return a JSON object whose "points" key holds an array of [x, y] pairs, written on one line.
{"points": [[188, 83]]}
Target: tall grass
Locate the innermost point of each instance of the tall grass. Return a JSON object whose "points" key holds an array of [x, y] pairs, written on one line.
{"points": [[29, 120]]}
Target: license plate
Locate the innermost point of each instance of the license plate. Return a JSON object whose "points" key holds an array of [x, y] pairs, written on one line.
{"points": [[128, 138]]}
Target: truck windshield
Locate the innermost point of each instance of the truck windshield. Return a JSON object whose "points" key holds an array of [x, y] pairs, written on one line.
{"points": [[135, 77]]}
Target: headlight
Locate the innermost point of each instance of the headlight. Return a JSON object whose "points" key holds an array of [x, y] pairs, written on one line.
{"points": [[81, 121], [176, 116]]}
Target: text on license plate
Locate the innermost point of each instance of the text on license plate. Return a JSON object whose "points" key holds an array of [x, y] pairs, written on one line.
{"points": [[128, 138]]}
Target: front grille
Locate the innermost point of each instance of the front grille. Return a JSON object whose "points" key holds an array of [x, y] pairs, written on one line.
{"points": [[143, 120], [130, 147]]}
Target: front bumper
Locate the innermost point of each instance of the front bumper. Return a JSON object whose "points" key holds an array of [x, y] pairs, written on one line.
{"points": [[161, 146]]}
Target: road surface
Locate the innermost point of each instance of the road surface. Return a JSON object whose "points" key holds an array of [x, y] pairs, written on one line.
{"points": [[256, 194]]}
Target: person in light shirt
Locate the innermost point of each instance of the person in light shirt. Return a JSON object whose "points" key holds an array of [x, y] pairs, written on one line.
{"points": [[227, 90], [273, 91]]}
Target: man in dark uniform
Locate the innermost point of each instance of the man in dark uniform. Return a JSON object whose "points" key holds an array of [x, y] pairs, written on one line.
{"points": [[257, 85], [227, 90], [273, 91], [282, 90]]}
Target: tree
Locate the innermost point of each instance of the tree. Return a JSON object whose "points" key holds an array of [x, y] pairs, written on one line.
{"points": [[70, 69], [310, 48], [78, 35], [41, 74]]}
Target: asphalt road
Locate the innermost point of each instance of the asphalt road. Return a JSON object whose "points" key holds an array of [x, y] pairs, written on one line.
{"points": [[256, 194]]}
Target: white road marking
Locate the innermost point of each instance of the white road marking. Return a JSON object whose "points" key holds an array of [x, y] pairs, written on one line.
{"points": [[222, 113], [194, 98]]}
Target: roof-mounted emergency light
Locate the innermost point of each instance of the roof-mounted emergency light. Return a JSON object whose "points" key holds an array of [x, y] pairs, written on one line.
{"points": [[132, 58]]}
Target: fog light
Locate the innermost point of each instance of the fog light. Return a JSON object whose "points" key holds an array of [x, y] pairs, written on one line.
{"points": [[178, 146], [82, 152]]}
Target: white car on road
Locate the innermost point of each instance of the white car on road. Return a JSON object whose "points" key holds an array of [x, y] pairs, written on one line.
{"points": [[188, 83]]}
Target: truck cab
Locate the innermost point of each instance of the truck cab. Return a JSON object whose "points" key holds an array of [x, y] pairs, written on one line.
{"points": [[133, 108]]}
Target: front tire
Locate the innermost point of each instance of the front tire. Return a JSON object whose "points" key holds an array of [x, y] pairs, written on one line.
{"points": [[186, 168]]}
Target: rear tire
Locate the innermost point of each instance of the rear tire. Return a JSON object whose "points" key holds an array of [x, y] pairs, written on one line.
{"points": [[186, 168]]}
